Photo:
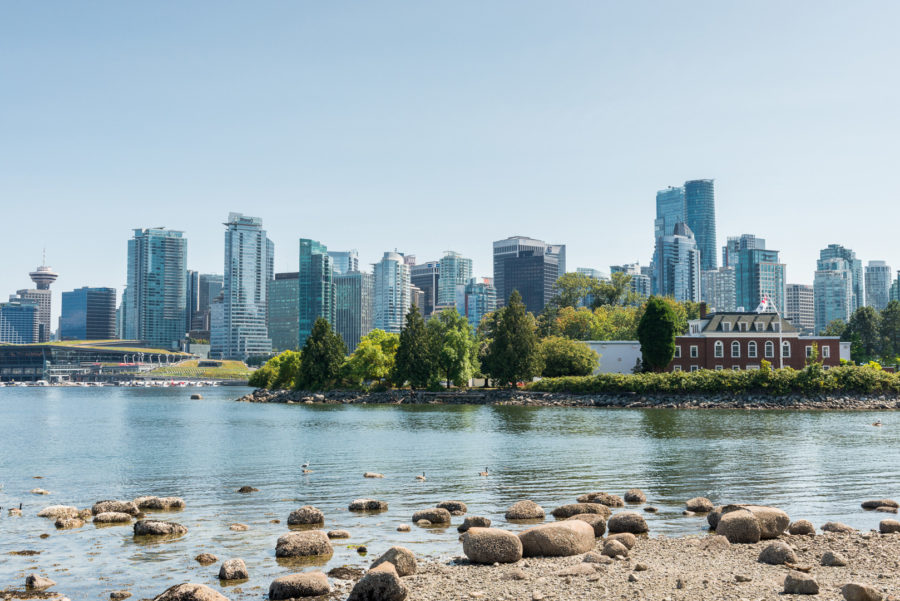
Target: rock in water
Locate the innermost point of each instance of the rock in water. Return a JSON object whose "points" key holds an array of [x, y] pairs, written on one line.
{"points": [[838, 527], [627, 521], [306, 515], [888, 526], [635, 495], [119, 595], [233, 569], [474, 521], [567, 511], [603, 498], [39, 491], [403, 560], [205, 559], [158, 528], [373, 475], [525, 510], [699, 505], [379, 584], [855, 591], [68, 523], [190, 592], [491, 545], [307, 584], [597, 522], [112, 517], [739, 527], [833, 560], [36, 582], [160, 503], [880, 503], [798, 583], [559, 539], [368, 505], [115, 507], [338, 534], [434, 515], [247, 489], [309, 543], [58, 511], [454, 507], [802, 527], [777, 553]]}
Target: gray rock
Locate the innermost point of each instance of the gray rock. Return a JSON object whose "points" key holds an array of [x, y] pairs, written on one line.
{"points": [[777, 553], [772, 521], [68, 523], [802, 528], [567, 511], [238, 527], [491, 545], [886, 509], [403, 560], [651, 509], [403, 528], [594, 557], [798, 583], [119, 595], [159, 503], [368, 505], [880, 503], [112, 517], [888, 526], [190, 592], [525, 510], [474, 521], [308, 543], [635, 495], [373, 475], [833, 559], [423, 524], [454, 507], [838, 527], [714, 542], [306, 516], [434, 515], [115, 507], [36, 582], [247, 489], [627, 521], [603, 498], [699, 505], [597, 522], [205, 559], [626, 538], [613, 548], [855, 591], [158, 528], [233, 569], [739, 527], [379, 584], [338, 534], [58, 511], [293, 586], [559, 539], [712, 518]]}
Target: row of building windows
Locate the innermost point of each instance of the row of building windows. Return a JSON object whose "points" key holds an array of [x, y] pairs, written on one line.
{"points": [[722, 367], [752, 350]]}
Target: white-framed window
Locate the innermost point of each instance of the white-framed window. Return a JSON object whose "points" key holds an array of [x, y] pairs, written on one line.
{"points": [[742, 326], [676, 368], [751, 349], [776, 326], [735, 349], [695, 328], [735, 368], [759, 326], [809, 351], [694, 352], [786, 349], [826, 352], [770, 349], [726, 326], [678, 351], [753, 368], [695, 368], [718, 349], [719, 368]]}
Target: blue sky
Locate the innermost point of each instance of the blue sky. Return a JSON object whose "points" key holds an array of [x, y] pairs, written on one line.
{"points": [[441, 125]]}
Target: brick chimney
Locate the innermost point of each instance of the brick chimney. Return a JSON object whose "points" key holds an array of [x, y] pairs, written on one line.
{"points": [[702, 310]]}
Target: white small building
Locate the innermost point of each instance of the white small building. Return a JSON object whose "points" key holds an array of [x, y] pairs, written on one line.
{"points": [[616, 356]]}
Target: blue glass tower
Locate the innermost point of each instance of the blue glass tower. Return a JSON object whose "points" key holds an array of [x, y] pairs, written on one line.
{"points": [[700, 214], [316, 287]]}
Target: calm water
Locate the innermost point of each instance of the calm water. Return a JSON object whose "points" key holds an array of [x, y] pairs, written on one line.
{"points": [[112, 443]]}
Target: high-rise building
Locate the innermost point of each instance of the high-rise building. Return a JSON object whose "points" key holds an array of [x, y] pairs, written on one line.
{"points": [[284, 311], [640, 281], [354, 306], [218, 337], [717, 289], [800, 307], [42, 277], [759, 275], [344, 261], [417, 298], [679, 267], [529, 266], [392, 294], [316, 286], [19, 322], [594, 274], [878, 284], [426, 277], [832, 291], [895, 289], [836, 251], [700, 216], [156, 296], [456, 271], [192, 294], [481, 299], [88, 314], [210, 286], [249, 260], [735, 244]]}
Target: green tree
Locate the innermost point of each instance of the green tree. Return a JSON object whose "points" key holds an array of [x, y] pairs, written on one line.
{"points": [[864, 333], [571, 290], [261, 377], [656, 333], [513, 354], [617, 291], [835, 328], [279, 372], [890, 332], [373, 359], [453, 345], [564, 357], [321, 358], [414, 361]]}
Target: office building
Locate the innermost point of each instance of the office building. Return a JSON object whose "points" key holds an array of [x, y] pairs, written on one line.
{"points": [[217, 333], [700, 216], [455, 273], [594, 274], [832, 292], [354, 307], [249, 259], [426, 277], [344, 261], [878, 284], [392, 292], [192, 294], [316, 287], [19, 322], [640, 279], [717, 289], [42, 277], [678, 273], [156, 293], [836, 251], [417, 298], [759, 275], [800, 307], [481, 299], [210, 286], [284, 311], [529, 266], [88, 314], [735, 244]]}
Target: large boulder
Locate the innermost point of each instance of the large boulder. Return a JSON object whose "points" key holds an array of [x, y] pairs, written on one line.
{"points": [[525, 510], [635, 495], [306, 516], [838, 527], [627, 521], [626, 538], [833, 559], [37, 582], [712, 518], [435, 515], [308, 543], [159, 503], [739, 527], [855, 591], [567, 511], [603, 498], [403, 560], [474, 521], [112, 517], [115, 506], [888, 526], [190, 592], [158, 528], [777, 553], [597, 522], [491, 545], [798, 583], [875, 504], [233, 569], [305, 584], [699, 505], [772, 522], [802, 528], [58, 511], [613, 548], [454, 507], [559, 539], [379, 584], [68, 523], [367, 505]]}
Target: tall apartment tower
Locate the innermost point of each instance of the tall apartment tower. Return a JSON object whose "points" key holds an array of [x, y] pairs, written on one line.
{"points": [[156, 293], [249, 262], [878, 284], [832, 291], [344, 261], [392, 292], [427, 277], [717, 289], [284, 311], [857, 283], [640, 282], [735, 244], [679, 269], [316, 287], [481, 299], [529, 266], [800, 307], [88, 314], [759, 275], [354, 306], [192, 294], [700, 216], [456, 271], [209, 288]]}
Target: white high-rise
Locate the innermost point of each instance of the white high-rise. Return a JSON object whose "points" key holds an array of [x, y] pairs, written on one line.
{"points": [[392, 294], [878, 284]]}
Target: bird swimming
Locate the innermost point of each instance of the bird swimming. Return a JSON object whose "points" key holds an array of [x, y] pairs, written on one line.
{"points": [[484, 473], [422, 477]]}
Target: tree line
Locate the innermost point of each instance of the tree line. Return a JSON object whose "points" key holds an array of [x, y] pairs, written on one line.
{"points": [[873, 335]]}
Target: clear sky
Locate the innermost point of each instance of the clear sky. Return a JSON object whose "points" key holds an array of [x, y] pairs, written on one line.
{"points": [[432, 126]]}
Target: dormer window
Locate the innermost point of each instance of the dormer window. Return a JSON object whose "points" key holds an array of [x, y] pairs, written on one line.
{"points": [[726, 326], [759, 326], [776, 326], [742, 326]]}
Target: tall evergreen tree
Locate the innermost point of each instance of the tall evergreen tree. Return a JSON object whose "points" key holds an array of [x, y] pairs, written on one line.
{"points": [[513, 354], [890, 331], [864, 333], [414, 362], [321, 358], [656, 333]]}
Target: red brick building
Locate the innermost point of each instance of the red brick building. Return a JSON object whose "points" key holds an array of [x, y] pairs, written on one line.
{"points": [[743, 340]]}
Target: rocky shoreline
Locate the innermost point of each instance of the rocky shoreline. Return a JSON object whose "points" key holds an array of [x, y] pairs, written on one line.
{"points": [[840, 402]]}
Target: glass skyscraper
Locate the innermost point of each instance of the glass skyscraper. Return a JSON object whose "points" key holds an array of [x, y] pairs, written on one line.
{"points": [[759, 274], [392, 294], [878, 284], [456, 271], [832, 291], [88, 314], [426, 277], [344, 261], [353, 311], [529, 266], [316, 293], [481, 299], [284, 311], [700, 216], [857, 280], [19, 322], [678, 272], [156, 296]]}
